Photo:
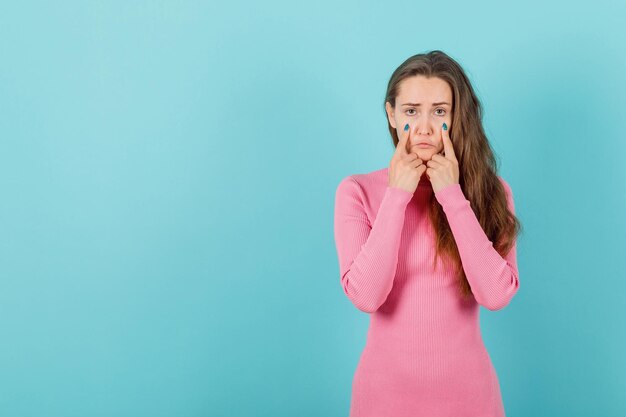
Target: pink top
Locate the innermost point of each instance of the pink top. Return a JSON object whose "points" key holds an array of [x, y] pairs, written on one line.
{"points": [[424, 354]]}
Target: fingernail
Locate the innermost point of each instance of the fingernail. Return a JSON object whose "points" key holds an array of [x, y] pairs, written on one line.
{"points": [[445, 126], [406, 127]]}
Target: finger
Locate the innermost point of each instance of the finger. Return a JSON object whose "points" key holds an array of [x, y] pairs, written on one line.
{"points": [[409, 156], [403, 140], [447, 143], [415, 163], [433, 164]]}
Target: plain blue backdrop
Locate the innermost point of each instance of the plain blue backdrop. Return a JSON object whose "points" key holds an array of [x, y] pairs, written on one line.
{"points": [[168, 172]]}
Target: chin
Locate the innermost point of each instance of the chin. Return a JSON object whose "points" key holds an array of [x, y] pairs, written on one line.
{"points": [[425, 153]]}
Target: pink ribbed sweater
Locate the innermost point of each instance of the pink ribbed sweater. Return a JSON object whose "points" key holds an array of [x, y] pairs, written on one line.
{"points": [[424, 354]]}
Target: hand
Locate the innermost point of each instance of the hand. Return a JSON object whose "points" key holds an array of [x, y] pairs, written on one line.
{"points": [[405, 169], [443, 170]]}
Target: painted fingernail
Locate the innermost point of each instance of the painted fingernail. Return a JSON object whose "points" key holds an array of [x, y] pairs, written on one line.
{"points": [[406, 127], [445, 126]]}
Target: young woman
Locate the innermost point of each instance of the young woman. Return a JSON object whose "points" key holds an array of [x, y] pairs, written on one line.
{"points": [[422, 244]]}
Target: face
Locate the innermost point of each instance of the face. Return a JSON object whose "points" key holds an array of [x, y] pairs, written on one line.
{"points": [[425, 104]]}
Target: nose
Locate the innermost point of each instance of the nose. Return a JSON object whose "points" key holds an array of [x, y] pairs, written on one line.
{"points": [[424, 125]]}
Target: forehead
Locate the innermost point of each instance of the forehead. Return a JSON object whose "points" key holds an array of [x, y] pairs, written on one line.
{"points": [[419, 89]]}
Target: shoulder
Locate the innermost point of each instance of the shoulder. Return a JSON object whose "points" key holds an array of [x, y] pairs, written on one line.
{"points": [[363, 183], [359, 194], [505, 184], [509, 193]]}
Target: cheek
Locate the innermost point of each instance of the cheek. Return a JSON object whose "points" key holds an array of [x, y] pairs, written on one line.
{"points": [[401, 122]]}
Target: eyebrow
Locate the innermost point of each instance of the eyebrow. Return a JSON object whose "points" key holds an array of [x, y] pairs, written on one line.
{"points": [[419, 104]]}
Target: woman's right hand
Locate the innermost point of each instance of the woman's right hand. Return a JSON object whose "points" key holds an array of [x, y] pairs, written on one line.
{"points": [[405, 169]]}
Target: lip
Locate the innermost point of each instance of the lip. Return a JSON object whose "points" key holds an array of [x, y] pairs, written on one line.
{"points": [[424, 145]]}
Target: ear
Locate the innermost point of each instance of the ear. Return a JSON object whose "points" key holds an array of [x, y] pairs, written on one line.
{"points": [[390, 114]]}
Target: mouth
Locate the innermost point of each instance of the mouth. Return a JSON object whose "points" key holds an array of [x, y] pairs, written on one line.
{"points": [[424, 145]]}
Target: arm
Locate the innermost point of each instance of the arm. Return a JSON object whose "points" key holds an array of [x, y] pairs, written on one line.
{"points": [[368, 254], [494, 279]]}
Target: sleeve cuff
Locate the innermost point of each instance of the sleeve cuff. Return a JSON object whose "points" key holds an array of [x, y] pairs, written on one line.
{"points": [[399, 195]]}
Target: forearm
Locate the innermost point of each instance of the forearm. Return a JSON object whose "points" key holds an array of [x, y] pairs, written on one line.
{"points": [[493, 278], [368, 279]]}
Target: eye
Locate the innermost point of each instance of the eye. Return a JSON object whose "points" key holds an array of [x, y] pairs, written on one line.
{"points": [[439, 114]]}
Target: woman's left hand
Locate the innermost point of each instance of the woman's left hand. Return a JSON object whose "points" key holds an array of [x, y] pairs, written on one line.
{"points": [[443, 170]]}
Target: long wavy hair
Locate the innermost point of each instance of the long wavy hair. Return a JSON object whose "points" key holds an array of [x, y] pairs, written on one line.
{"points": [[477, 164]]}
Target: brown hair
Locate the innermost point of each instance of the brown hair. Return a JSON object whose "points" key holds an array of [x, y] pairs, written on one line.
{"points": [[477, 164]]}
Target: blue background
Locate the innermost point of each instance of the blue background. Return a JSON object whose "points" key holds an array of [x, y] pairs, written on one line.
{"points": [[168, 172]]}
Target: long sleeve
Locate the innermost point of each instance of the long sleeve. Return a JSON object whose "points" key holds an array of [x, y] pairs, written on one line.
{"points": [[368, 253], [494, 279]]}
